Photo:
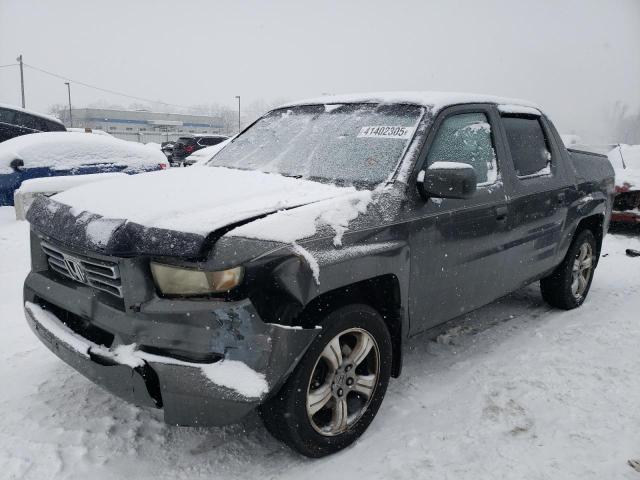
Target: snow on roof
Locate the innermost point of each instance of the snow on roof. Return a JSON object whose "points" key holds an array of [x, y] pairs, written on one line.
{"points": [[30, 112], [437, 100], [72, 149]]}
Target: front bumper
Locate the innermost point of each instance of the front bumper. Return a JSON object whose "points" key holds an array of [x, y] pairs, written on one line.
{"points": [[181, 388]]}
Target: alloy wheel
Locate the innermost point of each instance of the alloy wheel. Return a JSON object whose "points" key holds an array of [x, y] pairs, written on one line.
{"points": [[343, 381], [582, 270]]}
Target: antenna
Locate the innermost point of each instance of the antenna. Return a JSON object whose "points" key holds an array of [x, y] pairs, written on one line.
{"points": [[624, 165]]}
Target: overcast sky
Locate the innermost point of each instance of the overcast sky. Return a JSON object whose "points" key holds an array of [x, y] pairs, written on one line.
{"points": [[575, 58]]}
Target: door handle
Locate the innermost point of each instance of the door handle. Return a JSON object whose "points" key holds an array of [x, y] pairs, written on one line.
{"points": [[501, 213]]}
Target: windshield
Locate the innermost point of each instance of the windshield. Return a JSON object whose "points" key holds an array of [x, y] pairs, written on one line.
{"points": [[349, 143]]}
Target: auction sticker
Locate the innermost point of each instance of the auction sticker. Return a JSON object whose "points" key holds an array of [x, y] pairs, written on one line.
{"points": [[384, 131]]}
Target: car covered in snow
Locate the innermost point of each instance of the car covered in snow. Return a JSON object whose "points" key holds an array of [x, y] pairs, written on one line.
{"points": [[286, 274], [626, 162], [50, 154]]}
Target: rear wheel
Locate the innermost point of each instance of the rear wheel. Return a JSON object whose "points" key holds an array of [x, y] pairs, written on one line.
{"points": [[335, 391], [568, 285]]}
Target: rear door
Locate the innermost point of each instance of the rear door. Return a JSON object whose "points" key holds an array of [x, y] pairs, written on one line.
{"points": [[539, 193], [458, 255]]}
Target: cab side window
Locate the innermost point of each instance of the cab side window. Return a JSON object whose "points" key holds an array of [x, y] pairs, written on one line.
{"points": [[530, 150], [466, 138]]}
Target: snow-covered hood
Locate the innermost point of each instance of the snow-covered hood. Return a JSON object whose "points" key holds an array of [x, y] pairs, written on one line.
{"points": [[173, 212]]}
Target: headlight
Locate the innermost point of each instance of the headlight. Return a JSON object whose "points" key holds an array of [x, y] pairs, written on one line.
{"points": [[185, 281]]}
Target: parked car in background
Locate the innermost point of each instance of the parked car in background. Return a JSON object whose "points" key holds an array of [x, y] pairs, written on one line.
{"points": [[167, 149], [15, 121], [202, 156], [295, 265], [67, 153], [626, 162], [188, 144]]}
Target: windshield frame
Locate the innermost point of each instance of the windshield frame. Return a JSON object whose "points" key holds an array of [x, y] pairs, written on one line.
{"points": [[419, 131]]}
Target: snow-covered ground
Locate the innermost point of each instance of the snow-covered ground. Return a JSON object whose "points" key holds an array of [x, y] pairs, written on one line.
{"points": [[515, 390]]}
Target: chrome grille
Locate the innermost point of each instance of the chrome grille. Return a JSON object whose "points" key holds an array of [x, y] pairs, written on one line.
{"points": [[99, 274]]}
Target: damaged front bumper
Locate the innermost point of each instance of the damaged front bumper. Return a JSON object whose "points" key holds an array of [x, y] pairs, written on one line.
{"points": [[247, 358]]}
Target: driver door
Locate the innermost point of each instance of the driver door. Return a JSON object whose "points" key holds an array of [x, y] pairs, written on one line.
{"points": [[458, 246]]}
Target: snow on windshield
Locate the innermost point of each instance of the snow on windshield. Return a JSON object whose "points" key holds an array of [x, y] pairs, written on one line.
{"points": [[349, 143], [62, 150]]}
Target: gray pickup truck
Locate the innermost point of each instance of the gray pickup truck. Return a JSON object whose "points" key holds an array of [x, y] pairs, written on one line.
{"points": [[286, 273]]}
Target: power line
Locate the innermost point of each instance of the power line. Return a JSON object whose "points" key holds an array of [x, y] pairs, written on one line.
{"points": [[106, 90], [8, 65]]}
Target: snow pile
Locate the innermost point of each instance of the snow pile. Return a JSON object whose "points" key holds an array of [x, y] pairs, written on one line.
{"points": [[231, 374], [196, 200], [66, 150], [626, 163]]}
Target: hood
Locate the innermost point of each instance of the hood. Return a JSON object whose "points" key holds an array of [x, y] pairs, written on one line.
{"points": [[170, 212]]}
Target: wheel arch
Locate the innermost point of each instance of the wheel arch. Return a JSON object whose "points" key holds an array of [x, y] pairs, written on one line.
{"points": [[382, 293], [594, 223]]}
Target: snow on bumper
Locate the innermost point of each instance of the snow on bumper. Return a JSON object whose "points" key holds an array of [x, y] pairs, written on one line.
{"points": [[196, 394]]}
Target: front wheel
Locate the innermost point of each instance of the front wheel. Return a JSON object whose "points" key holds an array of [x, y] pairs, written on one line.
{"points": [[568, 285], [335, 391]]}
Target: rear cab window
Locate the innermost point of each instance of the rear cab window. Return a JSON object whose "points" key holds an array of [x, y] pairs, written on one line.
{"points": [[529, 146]]}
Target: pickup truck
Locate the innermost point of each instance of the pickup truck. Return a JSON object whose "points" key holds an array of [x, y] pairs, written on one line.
{"points": [[288, 272]]}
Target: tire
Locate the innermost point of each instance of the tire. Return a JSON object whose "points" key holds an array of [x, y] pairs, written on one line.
{"points": [[342, 411], [559, 288]]}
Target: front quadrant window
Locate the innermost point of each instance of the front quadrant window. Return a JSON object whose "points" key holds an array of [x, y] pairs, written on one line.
{"points": [[351, 143], [466, 138], [529, 150]]}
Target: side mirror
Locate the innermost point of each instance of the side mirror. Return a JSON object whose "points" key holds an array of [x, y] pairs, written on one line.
{"points": [[447, 180], [17, 164]]}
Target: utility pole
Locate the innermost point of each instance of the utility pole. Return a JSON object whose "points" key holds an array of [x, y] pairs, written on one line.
{"points": [[19, 59], [238, 97], [69, 91]]}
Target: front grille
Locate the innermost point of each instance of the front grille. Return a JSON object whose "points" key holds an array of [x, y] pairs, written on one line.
{"points": [[99, 274]]}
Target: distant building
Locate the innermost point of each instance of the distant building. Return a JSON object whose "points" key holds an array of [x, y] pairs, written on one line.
{"points": [[141, 125]]}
